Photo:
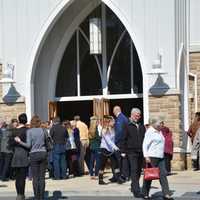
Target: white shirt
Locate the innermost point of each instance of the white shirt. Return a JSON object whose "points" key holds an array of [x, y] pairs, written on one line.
{"points": [[153, 144], [108, 140]]}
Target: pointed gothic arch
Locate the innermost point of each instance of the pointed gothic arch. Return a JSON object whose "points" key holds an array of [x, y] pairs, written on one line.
{"points": [[41, 78]]}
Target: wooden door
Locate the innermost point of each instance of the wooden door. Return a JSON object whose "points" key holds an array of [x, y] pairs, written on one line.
{"points": [[100, 107], [53, 110]]}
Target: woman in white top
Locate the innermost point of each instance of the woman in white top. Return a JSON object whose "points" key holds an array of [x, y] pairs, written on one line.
{"points": [[153, 150], [108, 149]]}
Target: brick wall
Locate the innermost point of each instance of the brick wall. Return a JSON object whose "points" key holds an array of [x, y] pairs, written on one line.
{"points": [[195, 69], [169, 107], [0, 79], [9, 111]]}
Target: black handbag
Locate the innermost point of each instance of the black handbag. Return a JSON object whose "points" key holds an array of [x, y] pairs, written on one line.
{"points": [[48, 141]]}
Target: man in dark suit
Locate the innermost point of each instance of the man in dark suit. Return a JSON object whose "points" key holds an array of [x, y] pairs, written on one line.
{"points": [[120, 122], [132, 147]]}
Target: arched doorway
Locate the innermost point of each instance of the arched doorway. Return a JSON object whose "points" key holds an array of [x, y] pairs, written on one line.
{"points": [[50, 54], [114, 74]]}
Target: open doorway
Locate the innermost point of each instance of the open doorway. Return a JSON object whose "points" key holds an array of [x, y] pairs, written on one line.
{"points": [[68, 109], [126, 105]]}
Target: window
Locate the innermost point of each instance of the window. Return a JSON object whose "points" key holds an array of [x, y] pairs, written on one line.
{"points": [[119, 67]]}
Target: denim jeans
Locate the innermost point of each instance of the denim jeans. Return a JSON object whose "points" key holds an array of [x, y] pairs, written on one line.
{"points": [[94, 160], [158, 162], [59, 161]]}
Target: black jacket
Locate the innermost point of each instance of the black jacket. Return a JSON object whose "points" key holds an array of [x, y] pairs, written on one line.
{"points": [[133, 138], [21, 153], [59, 134]]}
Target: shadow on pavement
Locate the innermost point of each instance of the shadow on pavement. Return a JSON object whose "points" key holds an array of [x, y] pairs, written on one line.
{"points": [[57, 195]]}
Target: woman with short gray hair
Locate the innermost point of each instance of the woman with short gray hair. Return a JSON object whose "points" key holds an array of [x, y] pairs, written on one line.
{"points": [[153, 150]]}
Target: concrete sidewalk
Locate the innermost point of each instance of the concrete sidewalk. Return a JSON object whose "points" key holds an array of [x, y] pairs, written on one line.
{"points": [[184, 185]]}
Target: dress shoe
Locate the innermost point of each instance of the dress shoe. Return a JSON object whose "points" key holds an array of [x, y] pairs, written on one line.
{"points": [[113, 180], [138, 195], [120, 180]]}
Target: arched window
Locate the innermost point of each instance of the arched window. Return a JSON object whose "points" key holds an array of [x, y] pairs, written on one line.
{"points": [[116, 71]]}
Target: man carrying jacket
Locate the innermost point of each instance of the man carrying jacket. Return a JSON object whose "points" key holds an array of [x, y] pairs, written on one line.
{"points": [[132, 146]]}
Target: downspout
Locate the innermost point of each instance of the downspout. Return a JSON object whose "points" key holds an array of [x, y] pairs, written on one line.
{"points": [[195, 91]]}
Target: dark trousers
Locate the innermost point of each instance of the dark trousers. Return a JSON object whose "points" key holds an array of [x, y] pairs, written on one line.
{"points": [[6, 165], [136, 161], [158, 162], [59, 161], [72, 162], [20, 179], [104, 156], [168, 158], [1, 163], [38, 168], [94, 162], [125, 167]]}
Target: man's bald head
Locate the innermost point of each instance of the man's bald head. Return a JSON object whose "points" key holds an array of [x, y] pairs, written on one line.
{"points": [[117, 110]]}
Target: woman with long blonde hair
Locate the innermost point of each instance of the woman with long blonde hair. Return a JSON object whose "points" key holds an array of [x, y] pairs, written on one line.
{"points": [[94, 141], [108, 149]]}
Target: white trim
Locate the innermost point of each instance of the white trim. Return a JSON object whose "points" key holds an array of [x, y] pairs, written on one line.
{"points": [[62, 46], [194, 47], [180, 54], [104, 50], [187, 40], [132, 81], [85, 98], [78, 63], [58, 11], [140, 51], [36, 50]]}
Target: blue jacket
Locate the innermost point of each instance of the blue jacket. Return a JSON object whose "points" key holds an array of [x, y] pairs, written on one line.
{"points": [[120, 122]]}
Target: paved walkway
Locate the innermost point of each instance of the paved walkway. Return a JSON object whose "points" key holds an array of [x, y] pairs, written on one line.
{"points": [[184, 186]]}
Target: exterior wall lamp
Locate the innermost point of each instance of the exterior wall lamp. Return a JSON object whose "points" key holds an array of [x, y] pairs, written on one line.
{"points": [[95, 35], [8, 75], [159, 88], [8, 79]]}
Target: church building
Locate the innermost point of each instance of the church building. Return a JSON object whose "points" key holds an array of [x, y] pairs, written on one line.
{"points": [[69, 57]]}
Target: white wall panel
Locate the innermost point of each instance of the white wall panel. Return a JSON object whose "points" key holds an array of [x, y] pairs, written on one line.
{"points": [[20, 24], [151, 21], [194, 21]]}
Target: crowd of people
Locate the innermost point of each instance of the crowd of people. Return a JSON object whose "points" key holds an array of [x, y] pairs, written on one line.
{"points": [[25, 151]]}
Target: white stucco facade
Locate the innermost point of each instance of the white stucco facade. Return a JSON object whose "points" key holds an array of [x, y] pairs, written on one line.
{"points": [[35, 33]]}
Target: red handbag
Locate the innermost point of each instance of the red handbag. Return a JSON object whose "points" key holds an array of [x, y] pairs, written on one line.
{"points": [[151, 173]]}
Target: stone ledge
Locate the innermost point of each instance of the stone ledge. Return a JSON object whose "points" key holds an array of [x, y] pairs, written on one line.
{"points": [[172, 91], [19, 100]]}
